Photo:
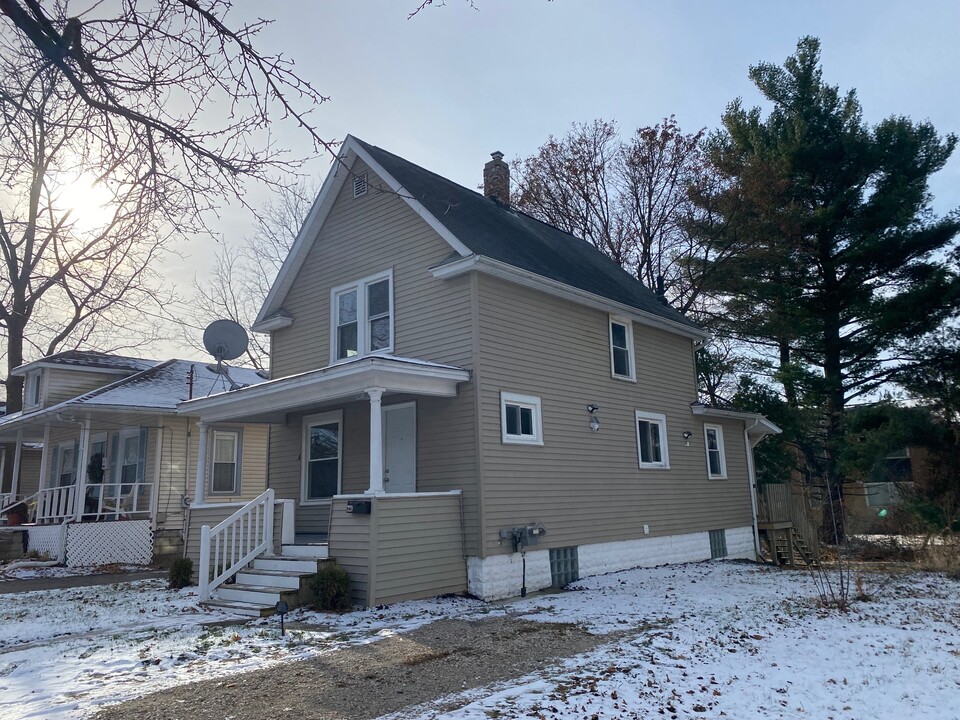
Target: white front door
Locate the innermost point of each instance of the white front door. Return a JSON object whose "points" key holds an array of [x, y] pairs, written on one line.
{"points": [[400, 448]]}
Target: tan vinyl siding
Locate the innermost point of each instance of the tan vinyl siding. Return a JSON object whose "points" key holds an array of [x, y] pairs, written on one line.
{"points": [[586, 487], [350, 547], [29, 469], [60, 385], [363, 236], [419, 548], [432, 321]]}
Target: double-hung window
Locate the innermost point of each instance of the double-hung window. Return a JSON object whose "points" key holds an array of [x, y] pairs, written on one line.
{"points": [[129, 459], [520, 419], [652, 440], [622, 365], [362, 317], [67, 472], [716, 462], [225, 477], [322, 452]]}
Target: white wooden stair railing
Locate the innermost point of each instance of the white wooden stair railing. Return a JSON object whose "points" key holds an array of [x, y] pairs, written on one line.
{"points": [[229, 546]]}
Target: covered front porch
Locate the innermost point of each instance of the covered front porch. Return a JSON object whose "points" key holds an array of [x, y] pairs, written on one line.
{"points": [[361, 452]]}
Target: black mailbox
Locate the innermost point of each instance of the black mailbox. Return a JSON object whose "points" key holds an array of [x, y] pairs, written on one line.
{"points": [[358, 507]]}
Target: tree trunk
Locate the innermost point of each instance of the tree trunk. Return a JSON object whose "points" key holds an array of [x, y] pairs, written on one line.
{"points": [[14, 383]]}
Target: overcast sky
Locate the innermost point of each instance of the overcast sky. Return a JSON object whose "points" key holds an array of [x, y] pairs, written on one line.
{"points": [[453, 84]]}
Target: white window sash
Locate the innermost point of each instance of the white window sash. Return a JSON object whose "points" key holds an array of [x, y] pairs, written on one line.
{"points": [[631, 360], [660, 421], [363, 317], [529, 402], [719, 451], [235, 461], [332, 418]]}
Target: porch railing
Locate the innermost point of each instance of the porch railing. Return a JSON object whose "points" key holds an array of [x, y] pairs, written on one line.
{"points": [[229, 546], [56, 504], [775, 503], [116, 501]]}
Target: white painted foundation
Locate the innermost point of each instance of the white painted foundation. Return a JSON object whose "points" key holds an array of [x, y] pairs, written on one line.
{"points": [[500, 576]]}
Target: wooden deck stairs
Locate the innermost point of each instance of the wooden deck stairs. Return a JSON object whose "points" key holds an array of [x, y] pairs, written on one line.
{"points": [[791, 536], [258, 588]]}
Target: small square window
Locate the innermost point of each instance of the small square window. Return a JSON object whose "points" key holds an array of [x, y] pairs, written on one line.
{"points": [[716, 461], [520, 419], [652, 440]]}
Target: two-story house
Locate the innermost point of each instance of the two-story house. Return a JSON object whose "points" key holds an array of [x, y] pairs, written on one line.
{"points": [[102, 465], [465, 398]]}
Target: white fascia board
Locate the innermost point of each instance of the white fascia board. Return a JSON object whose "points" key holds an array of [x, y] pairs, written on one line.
{"points": [[760, 426], [308, 233], [37, 364], [511, 273], [407, 197], [277, 322], [350, 151], [330, 383]]}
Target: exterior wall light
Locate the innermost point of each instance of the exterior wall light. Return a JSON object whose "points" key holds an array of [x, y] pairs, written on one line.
{"points": [[594, 420], [686, 437]]}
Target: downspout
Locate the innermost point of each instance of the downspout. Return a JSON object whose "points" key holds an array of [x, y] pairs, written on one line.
{"points": [[752, 479]]}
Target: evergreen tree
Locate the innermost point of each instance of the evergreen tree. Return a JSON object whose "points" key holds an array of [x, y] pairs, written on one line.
{"points": [[840, 265]]}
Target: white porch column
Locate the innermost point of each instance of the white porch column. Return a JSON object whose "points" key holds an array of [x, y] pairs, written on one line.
{"points": [[82, 460], [15, 480], [201, 475], [376, 442], [45, 458]]}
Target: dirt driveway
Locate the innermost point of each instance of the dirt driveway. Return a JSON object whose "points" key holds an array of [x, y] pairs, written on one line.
{"points": [[366, 681]]}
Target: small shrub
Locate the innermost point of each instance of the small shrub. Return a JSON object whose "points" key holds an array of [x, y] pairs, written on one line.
{"points": [[180, 573], [331, 587]]}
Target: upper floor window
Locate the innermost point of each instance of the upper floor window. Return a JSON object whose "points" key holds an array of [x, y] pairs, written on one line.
{"points": [[520, 419], [32, 395], [716, 462], [362, 321], [621, 349], [226, 462], [652, 440]]}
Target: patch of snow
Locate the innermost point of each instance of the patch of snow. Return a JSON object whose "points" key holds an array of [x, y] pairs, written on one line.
{"points": [[33, 569]]}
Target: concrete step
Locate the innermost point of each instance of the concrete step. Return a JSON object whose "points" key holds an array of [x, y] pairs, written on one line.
{"points": [[272, 578], [248, 609], [316, 551], [263, 594], [286, 563]]}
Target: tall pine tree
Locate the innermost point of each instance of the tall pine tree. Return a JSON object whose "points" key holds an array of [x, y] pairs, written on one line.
{"points": [[841, 266]]}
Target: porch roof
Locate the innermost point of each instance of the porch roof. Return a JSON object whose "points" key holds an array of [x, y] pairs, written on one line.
{"points": [[271, 401], [758, 426]]}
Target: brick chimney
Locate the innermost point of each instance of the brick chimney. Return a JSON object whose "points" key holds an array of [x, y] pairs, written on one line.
{"points": [[496, 179]]}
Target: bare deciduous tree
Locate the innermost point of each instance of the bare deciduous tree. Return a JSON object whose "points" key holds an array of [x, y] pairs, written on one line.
{"points": [[629, 198], [242, 275], [73, 271]]}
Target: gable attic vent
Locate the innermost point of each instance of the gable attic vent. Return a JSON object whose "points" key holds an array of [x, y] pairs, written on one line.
{"points": [[359, 185]]}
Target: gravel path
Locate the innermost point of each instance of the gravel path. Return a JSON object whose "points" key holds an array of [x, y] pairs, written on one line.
{"points": [[367, 681]]}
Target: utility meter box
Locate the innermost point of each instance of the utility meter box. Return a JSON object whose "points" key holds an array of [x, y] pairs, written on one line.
{"points": [[358, 507]]}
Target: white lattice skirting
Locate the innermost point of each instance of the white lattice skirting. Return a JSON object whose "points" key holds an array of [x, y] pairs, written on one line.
{"points": [[47, 540], [125, 541]]}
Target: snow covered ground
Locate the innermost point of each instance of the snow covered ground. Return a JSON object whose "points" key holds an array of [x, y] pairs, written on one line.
{"points": [[30, 570], [706, 640]]}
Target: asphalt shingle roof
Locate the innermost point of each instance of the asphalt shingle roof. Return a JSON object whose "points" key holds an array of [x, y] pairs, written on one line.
{"points": [[505, 234]]}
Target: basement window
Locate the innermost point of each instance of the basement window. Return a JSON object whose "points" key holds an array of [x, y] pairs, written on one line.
{"points": [[564, 566], [718, 544]]}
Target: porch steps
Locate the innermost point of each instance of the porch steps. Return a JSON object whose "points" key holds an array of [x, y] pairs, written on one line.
{"points": [[270, 578], [791, 549]]}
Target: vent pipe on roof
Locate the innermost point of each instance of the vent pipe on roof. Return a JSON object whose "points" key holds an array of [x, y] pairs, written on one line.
{"points": [[496, 179]]}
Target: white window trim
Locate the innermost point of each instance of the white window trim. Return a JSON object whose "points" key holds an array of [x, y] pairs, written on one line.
{"points": [[363, 322], [67, 445], [723, 453], [528, 401], [631, 360], [321, 419], [33, 391], [125, 433], [660, 419], [237, 454]]}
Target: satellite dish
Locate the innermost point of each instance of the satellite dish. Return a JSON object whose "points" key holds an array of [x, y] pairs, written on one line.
{"points": [[225, 340]]}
